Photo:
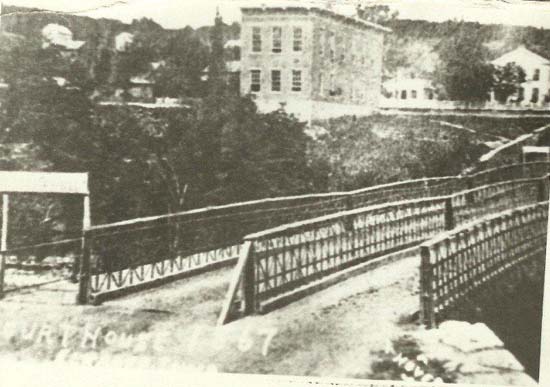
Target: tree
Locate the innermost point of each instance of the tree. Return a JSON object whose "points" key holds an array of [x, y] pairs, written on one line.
{"points": [[463, 70], [508, 80], [380, 14], [216, 64], [185, 58]]}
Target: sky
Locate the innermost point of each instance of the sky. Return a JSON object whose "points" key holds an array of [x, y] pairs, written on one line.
{"points": [[179, 13]]}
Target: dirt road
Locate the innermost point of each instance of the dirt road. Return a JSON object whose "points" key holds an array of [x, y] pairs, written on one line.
{"points": [[339, 331]]}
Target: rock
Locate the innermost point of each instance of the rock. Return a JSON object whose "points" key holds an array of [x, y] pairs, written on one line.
{"points": [[498, 359], [409, 366], [418, 372], [422, 359], [499, 379], [452, 365], [427, 378], [473, 367], [467, 337]]}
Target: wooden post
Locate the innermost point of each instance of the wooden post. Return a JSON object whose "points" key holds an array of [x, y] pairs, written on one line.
{"points": [[469, 186], [449, 214], [249, 283], [86, 223], [226, 313], [4, 241], [427, 312], [82, 297], [541, 189]]}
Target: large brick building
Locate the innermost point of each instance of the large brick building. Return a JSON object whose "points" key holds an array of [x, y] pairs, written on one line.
{"points": [[315, 62]]}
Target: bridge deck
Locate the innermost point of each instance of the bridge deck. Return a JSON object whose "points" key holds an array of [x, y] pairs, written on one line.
{"points": [[329, 333]]}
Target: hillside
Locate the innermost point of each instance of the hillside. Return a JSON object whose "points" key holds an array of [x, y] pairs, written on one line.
{"points": [[30, 21], [412, 48]]}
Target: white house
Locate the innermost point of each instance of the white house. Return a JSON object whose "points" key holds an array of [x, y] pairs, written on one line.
{"points": [[410, 88], [123, 41], [60, 36], [535, 91]]}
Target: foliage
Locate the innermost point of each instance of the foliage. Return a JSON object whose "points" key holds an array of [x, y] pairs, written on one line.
{"points": [[362, 152], [407, 362], [185, 58], [463, 70], [376, 13], [508, 80], [144, 162]]}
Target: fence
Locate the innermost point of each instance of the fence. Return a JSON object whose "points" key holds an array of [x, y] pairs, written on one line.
{"points": [[280, 260], [510, 172], [128, 256], [41, 257], [460, 262], [125, 256]]}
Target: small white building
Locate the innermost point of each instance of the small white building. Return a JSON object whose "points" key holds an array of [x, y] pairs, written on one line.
{"points": [[123, 41], [410, 89], [535, 91], [59, 36]]}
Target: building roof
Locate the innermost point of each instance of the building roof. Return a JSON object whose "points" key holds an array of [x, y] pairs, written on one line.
{"points": [[319, 11], [58, 35], [233, 66], [408, 83], [232, 43], [123, 40], [61, 82], [520, 55], [157, 65], [141, 80]]}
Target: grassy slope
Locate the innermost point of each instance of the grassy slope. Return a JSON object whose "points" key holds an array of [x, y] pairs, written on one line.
{"points": [[384, 148]]}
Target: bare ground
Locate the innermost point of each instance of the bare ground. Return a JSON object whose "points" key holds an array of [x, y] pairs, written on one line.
{"points": [[338, 331]]}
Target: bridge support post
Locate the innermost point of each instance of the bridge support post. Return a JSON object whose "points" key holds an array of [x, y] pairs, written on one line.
{"points": [[84, 276], [543, 188], [249, 279], [449, 214], [427, 312], [2, 269], [469, 185], [4, 241]]}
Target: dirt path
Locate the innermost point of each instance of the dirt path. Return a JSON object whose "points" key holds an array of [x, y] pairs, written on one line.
{"points": [[336, 332]]}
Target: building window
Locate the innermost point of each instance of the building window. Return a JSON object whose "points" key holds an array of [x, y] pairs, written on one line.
{"points": [[521, 94], [298, 39], [403, 94], [413, 94], [536, 75], [296, 80], [322, 85], [332, 47], [255, 81], [277, 39], [256, 39], [535, 95], [275, 80]]}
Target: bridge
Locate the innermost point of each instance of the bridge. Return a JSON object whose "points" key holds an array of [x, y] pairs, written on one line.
{"points": [[469, 231]]}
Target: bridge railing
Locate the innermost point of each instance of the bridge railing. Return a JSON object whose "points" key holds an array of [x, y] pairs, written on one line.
{"points": [[510, 172], [496, 197], [59, 256], [125, 256], [280, 260], [458, 263]]}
